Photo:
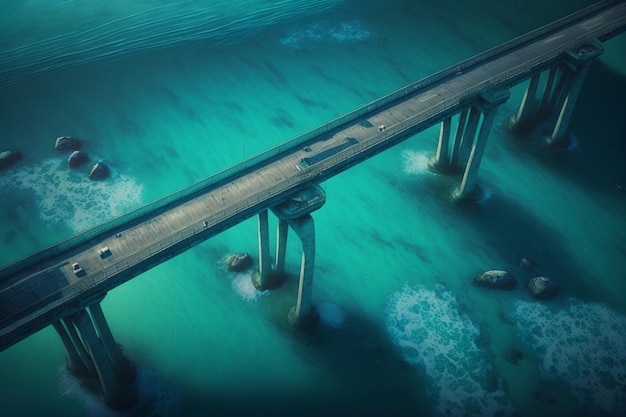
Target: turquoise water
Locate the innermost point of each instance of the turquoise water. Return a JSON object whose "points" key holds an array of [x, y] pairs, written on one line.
{"points": [[402, 330]]}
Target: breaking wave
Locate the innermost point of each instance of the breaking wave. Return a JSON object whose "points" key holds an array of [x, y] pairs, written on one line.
{"points": [[432, 333], [582, 345]]}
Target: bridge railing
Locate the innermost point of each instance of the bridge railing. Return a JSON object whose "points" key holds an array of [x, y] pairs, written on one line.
{"points": [[300, 140]]}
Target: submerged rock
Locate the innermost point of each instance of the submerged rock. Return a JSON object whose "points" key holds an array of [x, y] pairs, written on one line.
{"points": [[99, 171], [67, 143], [239, 262], [525, 263], [77, 158], [542, 287], [497, 279], [8, 158]]}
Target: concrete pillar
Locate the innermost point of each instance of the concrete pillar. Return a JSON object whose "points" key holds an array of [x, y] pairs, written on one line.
{"points": [[490, 102], [527, 113], [115, 395], [265, 260], [458, 137], [468, 136], [124, 370], [440, 161], [567, 104], [304, 314], [79, 346], [74, 362], [281, 245], [548, 93]]}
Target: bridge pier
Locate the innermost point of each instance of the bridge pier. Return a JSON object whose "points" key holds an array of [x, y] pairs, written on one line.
{"points": [[578, 63], [440, 161], [294, 212], [475, 145], [91, 351], [303, 314], [555, 101]]}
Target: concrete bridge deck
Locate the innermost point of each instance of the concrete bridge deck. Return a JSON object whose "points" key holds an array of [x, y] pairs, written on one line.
{"points": [[38, 291]]}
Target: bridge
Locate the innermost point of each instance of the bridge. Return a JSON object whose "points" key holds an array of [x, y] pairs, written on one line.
{"points": [[63, 285]]}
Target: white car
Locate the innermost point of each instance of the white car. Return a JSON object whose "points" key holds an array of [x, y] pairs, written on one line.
{"points": [[78, 270]]}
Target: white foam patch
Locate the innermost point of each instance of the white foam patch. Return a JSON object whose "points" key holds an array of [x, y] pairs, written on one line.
{"points": [[583, 345], [353, 31], [415, 163], [69, 197], [331, 314], [155, 398], [433, 334], [243, 286]]}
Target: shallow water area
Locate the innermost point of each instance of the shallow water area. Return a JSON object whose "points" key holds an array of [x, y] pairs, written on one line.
{"points": [[401, 329]]}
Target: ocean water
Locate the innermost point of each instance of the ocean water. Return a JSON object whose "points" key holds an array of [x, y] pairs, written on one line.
{"points": [[170, 92]]}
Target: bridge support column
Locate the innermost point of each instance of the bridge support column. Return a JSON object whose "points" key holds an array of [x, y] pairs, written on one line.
{"points": [[303, 314], [468, 136], [440, 161], [119, 393], [295, 212], [490, 102], [578, 64], [527, 113], [77, 363], [264, 278], [281, 245], [458, 137]]}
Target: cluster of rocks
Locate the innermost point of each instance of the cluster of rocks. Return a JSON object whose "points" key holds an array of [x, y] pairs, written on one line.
{"points": [[98, 171], [540, 287]]}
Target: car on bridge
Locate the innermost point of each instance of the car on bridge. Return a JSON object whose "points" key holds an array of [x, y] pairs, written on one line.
{"points": [[78, 270]]}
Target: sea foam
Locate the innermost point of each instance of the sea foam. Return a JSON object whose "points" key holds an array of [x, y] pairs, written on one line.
{"points": [[582, 345], [433, 334], [322, 32], [415, 162], [69, 197]]}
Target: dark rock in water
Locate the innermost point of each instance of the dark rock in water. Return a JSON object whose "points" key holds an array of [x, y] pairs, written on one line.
{"points": [[542, 287], [239, 262], [513, 355], [67, 143], [8, 158], [525, 263], [77, 158], [497, 279], [99, 171]]}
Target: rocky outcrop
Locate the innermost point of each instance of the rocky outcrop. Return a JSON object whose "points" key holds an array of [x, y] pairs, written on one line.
{"points": [[99, 171], [239, 262], [542, 287], [67, 143], [497, 279], [77, 158], [8, 158]]}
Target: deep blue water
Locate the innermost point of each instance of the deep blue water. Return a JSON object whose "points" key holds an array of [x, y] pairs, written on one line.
{"points": [[168, 93]]}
